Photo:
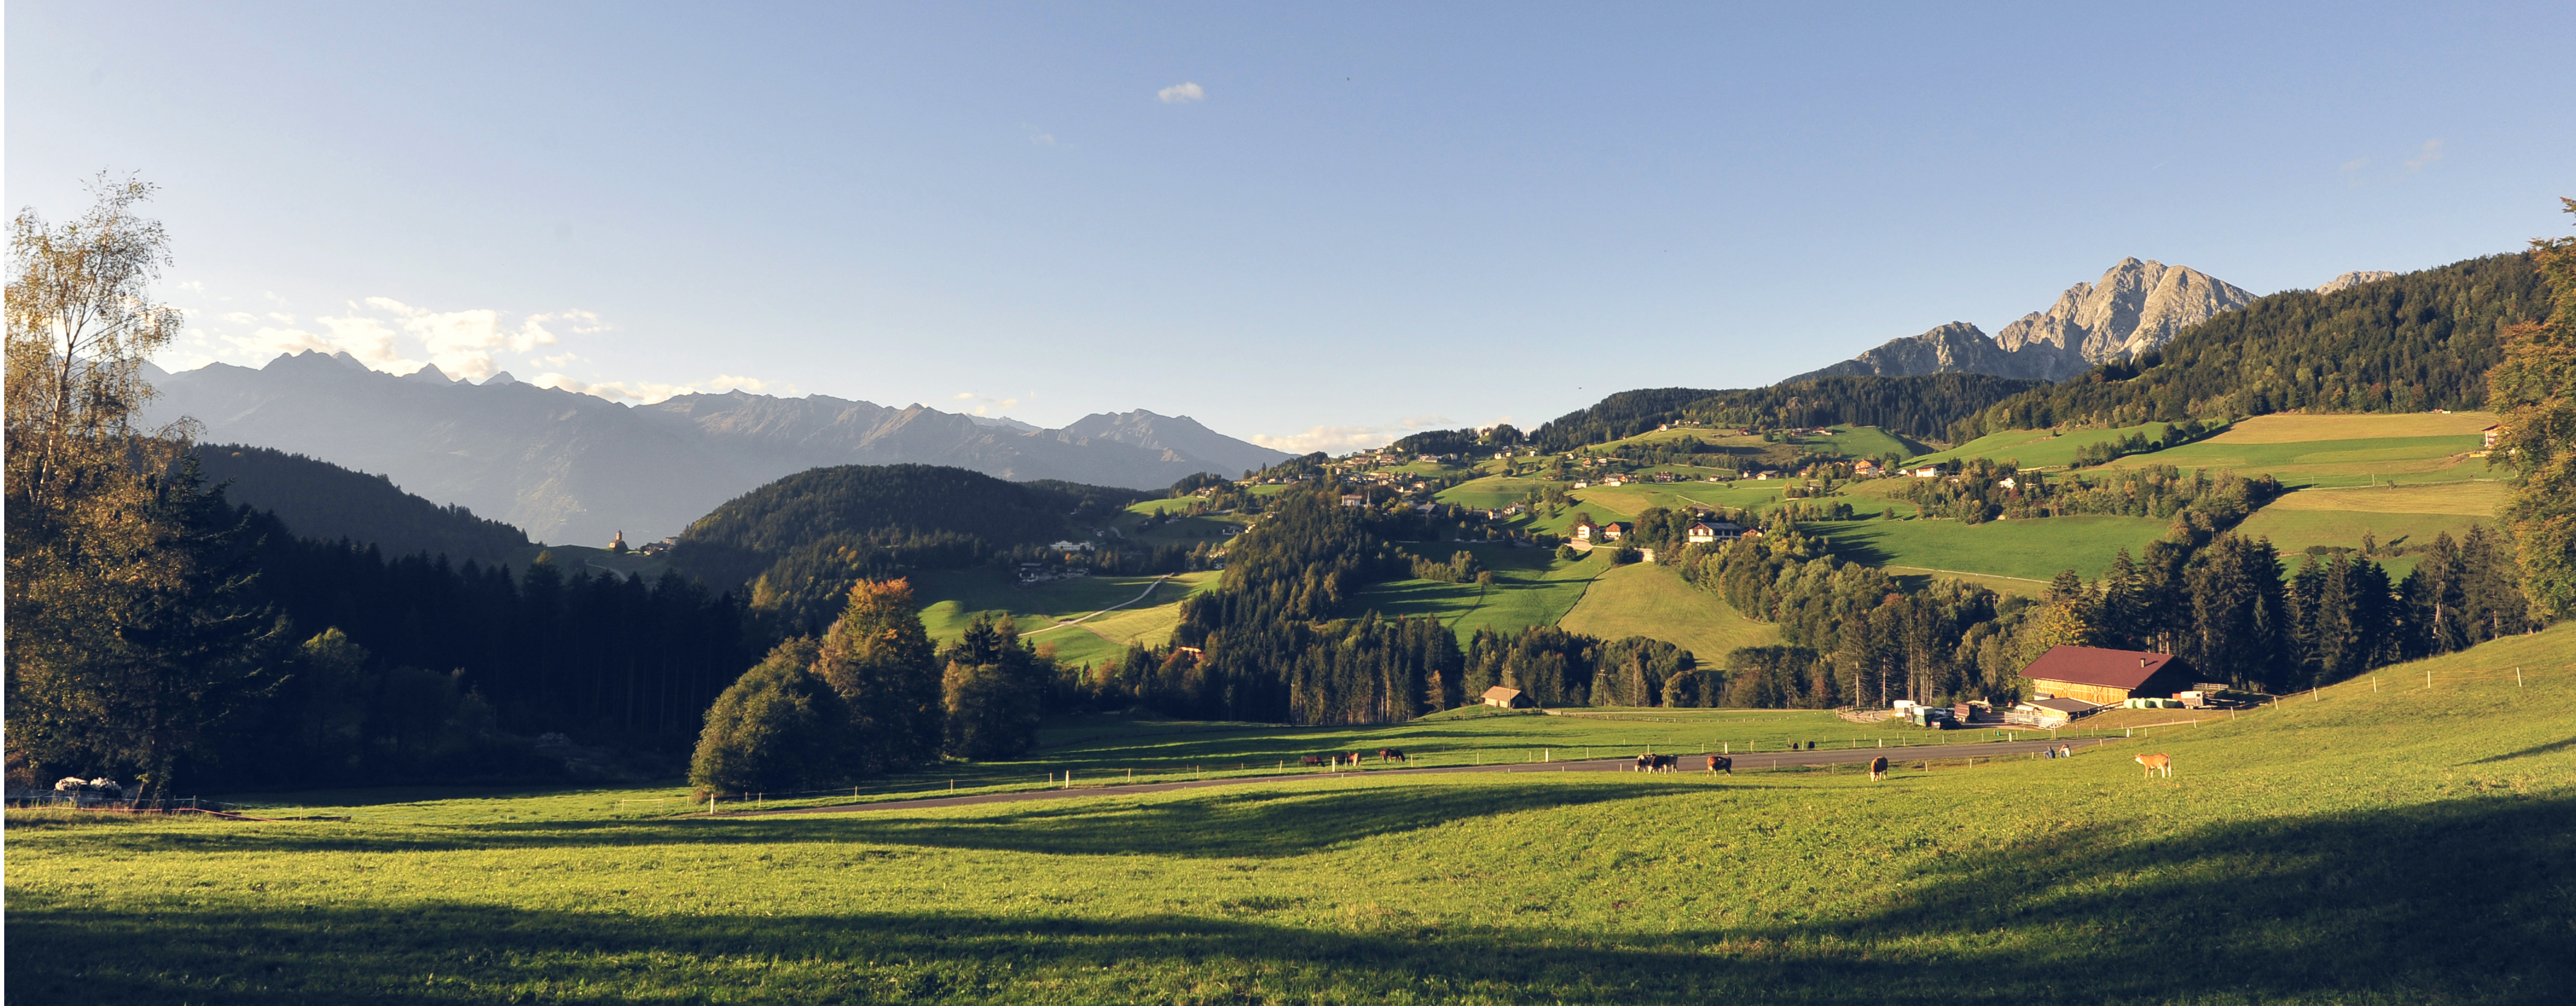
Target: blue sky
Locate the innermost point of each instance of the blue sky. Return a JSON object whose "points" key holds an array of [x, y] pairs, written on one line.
{"points": [[1315, 224]]}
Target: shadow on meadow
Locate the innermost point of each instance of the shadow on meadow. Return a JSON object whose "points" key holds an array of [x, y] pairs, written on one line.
{"points": [[1252, 821], [2457, 902]]}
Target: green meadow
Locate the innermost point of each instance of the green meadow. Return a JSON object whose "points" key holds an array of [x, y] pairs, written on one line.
{"points": [[2340, 450], [1146, 608], [1645, 599], [2025, 549], [2383, 842], [2036, 448], [1531, 587]]}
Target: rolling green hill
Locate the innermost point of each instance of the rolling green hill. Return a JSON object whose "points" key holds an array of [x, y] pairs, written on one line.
{"points": [[802, 540]]}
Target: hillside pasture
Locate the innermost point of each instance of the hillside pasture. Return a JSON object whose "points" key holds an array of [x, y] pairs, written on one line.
{"points": [[2340, 450], [2037, 448], [1858, 442], [2392, 846], [2028, 549], [952, 598], [1645, 599], [1531, 587]]}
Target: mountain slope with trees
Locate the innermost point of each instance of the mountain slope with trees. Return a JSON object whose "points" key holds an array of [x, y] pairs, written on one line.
{"points": [[318, 499], [1921, 406], [802, 540], [2420, 341]]}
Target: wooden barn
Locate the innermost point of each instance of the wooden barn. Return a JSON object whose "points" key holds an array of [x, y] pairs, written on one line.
{"points": [[2106, 677], [1508, 698]]}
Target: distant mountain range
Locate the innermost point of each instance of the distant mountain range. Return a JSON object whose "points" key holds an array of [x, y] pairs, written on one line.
{"points": [[568, 467], [2136, 306]]}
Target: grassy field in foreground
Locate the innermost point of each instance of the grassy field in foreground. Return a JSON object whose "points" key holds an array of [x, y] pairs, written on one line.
{"points": [[1648, 600], [2403, 846], [2027, 549]]}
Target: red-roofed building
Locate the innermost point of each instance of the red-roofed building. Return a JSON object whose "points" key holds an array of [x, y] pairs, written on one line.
{"points": [[2107, 677]]}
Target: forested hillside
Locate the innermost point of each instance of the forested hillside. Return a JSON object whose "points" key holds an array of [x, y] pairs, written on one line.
{"points": [[802, 540], [2420, 341], [1923, 406], [318, 499]]}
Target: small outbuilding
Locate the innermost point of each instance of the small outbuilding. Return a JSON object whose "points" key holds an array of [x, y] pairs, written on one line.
{"points": [[2106, 677], [1507, 698]]}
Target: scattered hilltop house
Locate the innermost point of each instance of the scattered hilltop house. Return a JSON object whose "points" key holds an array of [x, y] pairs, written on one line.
{"points": [[1507, 698], [1584, 530], [2106, 677], [1614, 531], [1864, 468], [1071, 546], [1354, 501], [662, 547], [616, 544], [1927, 472], [1615, 480], [2490, 434], [1712, 532], [2007, 482], [1580, 484]]}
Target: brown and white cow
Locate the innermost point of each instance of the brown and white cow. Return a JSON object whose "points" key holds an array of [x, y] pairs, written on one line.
{"points": [[1721, 763], [1878, 768]]}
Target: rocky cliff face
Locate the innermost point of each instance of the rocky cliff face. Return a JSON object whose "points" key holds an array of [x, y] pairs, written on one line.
{"points": [[2353, 279], [2134, 307], [1955, 347]]}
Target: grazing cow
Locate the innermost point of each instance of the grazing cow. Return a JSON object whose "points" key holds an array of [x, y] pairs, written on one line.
{"points": [[1316, 761], [1656, 763], [1721, 763], [1390, 754], [1878, 768], [1668, 763], [2156, 763], [1352, 759]]}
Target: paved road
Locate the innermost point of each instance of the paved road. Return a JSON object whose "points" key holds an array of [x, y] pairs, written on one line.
{"points": [[1691, 763]]}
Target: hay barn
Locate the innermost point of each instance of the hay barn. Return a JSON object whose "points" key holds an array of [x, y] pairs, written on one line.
{"points": [[2106, 677]]}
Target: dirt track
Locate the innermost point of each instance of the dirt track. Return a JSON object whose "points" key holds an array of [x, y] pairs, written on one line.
{"points": [[1691, 763]]}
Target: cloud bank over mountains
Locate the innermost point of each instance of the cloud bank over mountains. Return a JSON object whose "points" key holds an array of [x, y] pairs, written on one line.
{"points": [[399, 338]]}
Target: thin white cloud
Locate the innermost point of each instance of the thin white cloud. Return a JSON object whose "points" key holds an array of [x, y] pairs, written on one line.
{"points": [[1182, 93], [2425, 155], [649, 392], [1345, 439]]}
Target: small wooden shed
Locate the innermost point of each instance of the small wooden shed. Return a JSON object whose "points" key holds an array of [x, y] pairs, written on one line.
{"points": [[1508, 698]]}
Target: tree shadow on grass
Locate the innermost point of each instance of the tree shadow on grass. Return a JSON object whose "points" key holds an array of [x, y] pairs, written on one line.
{"points": [[2538, 749], [1249, 822], [2461, 902]]}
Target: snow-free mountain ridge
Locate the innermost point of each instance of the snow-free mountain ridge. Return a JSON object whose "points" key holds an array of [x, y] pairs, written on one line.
{"points": [[568, 467], [2136, 306]]}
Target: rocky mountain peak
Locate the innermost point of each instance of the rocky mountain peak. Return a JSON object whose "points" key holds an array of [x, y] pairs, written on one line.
{"points": [[2353, 279], [2136, 306]]}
